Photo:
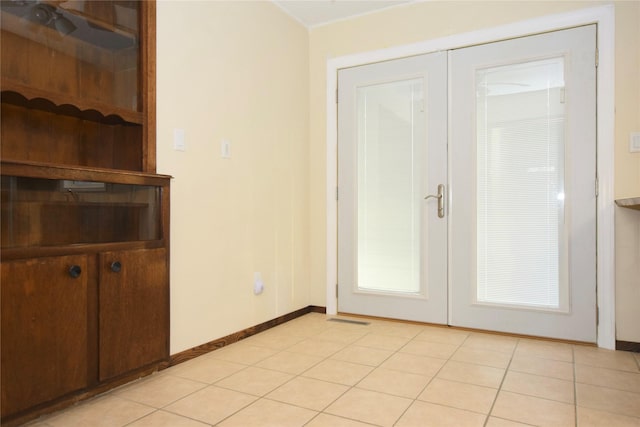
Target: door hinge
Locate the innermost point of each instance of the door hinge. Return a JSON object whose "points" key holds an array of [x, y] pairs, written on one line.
{"points": [[336, 193], [597, 57], [597, 315], [597, 187], [336, 290], [336, 95]]}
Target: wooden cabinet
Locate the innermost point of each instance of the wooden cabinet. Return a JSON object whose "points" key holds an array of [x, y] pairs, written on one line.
{"points": [[84, 216], [78, 83], [85, 282], [133, 310], [45, 319], [44, 330]]}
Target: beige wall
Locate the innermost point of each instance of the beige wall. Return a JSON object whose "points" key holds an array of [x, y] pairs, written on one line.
{"points": [[627, 170], [430, 20], [236, 71], [246, 72]]}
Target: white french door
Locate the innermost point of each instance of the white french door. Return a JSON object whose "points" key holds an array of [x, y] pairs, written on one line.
{"points": [[508, 242], [523, 179], [392, 242]]}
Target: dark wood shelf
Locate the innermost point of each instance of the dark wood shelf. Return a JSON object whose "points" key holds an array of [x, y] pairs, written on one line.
{"points": [[79, 173], [73, 203], [28, 97], [18, 253]]}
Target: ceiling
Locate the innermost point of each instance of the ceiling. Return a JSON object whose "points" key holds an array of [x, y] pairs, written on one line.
{"points": [[312, 13]]}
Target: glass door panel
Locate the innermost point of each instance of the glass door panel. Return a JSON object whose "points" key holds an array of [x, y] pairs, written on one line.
{"points": [[390, 138], [521, 246]]}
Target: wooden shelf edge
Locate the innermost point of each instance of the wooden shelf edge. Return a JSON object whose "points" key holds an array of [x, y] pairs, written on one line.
{"points": [[18, 94], [80, 173], [77, 249], [630, 203]]}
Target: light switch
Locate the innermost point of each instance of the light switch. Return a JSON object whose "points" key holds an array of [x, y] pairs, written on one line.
{"points": [[178, 140], [634, 142], [225, 149]]}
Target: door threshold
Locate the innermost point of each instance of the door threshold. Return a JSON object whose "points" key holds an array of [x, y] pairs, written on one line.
{"points": [[461, 328]]}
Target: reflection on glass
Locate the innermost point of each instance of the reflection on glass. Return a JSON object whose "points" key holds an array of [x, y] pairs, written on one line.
{"points": [[76, 49], [390, 127], [520, 185]]}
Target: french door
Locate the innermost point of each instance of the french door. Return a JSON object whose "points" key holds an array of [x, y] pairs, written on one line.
{"points": [[392, 244], [491, 224]]}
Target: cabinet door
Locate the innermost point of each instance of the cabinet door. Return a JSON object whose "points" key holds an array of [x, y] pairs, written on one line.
{"points": [[44, 330], [134, 310]]}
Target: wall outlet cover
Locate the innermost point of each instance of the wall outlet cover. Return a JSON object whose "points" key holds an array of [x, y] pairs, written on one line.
{"points": [[225, 149], [258, 284]]}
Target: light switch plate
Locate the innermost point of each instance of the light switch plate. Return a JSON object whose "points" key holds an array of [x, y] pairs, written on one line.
{"points": [[178, 140], [634, 142], [225, 149]]}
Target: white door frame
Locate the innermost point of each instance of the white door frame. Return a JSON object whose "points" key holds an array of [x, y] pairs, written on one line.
{"points": [[604, 17]]}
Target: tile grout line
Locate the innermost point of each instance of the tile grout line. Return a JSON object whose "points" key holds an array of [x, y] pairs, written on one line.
{"points": [[506, 371], [300, 375], [575, 386], [349, 387], [346, 344], [432, 378]]}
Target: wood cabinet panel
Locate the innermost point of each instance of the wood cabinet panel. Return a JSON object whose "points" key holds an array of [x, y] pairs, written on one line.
{"points": [[45, 137], [134, 310], [78, 104], [44, 330], [86, 98]]}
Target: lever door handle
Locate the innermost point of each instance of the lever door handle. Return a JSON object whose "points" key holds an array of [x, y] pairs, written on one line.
{"points": [[440, 197]]}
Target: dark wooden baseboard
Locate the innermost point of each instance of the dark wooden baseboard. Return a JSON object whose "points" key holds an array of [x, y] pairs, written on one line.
{"points": [[628, 346], [191, 353]]}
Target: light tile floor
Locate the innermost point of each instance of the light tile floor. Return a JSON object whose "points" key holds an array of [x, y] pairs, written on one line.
{"points": [[317, 372]]}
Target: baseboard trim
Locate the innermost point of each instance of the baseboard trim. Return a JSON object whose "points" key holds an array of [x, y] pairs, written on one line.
{"points": [[210, 346], [628, 346]]}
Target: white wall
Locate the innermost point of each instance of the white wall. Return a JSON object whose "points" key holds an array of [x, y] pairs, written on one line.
{"points": [[236, 71]]}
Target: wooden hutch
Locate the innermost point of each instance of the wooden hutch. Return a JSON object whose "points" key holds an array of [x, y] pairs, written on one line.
{"points": [[84, 216]]}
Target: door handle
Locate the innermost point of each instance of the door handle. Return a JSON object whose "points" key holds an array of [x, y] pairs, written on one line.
{"points": [[440, 197]]}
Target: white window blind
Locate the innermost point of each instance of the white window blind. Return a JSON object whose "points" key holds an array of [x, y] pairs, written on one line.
{"points": [[520, 197], [389, 192]]}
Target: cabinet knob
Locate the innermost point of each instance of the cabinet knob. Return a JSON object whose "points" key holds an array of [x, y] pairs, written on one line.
{"points": [[116, 266], [74, 271]]}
